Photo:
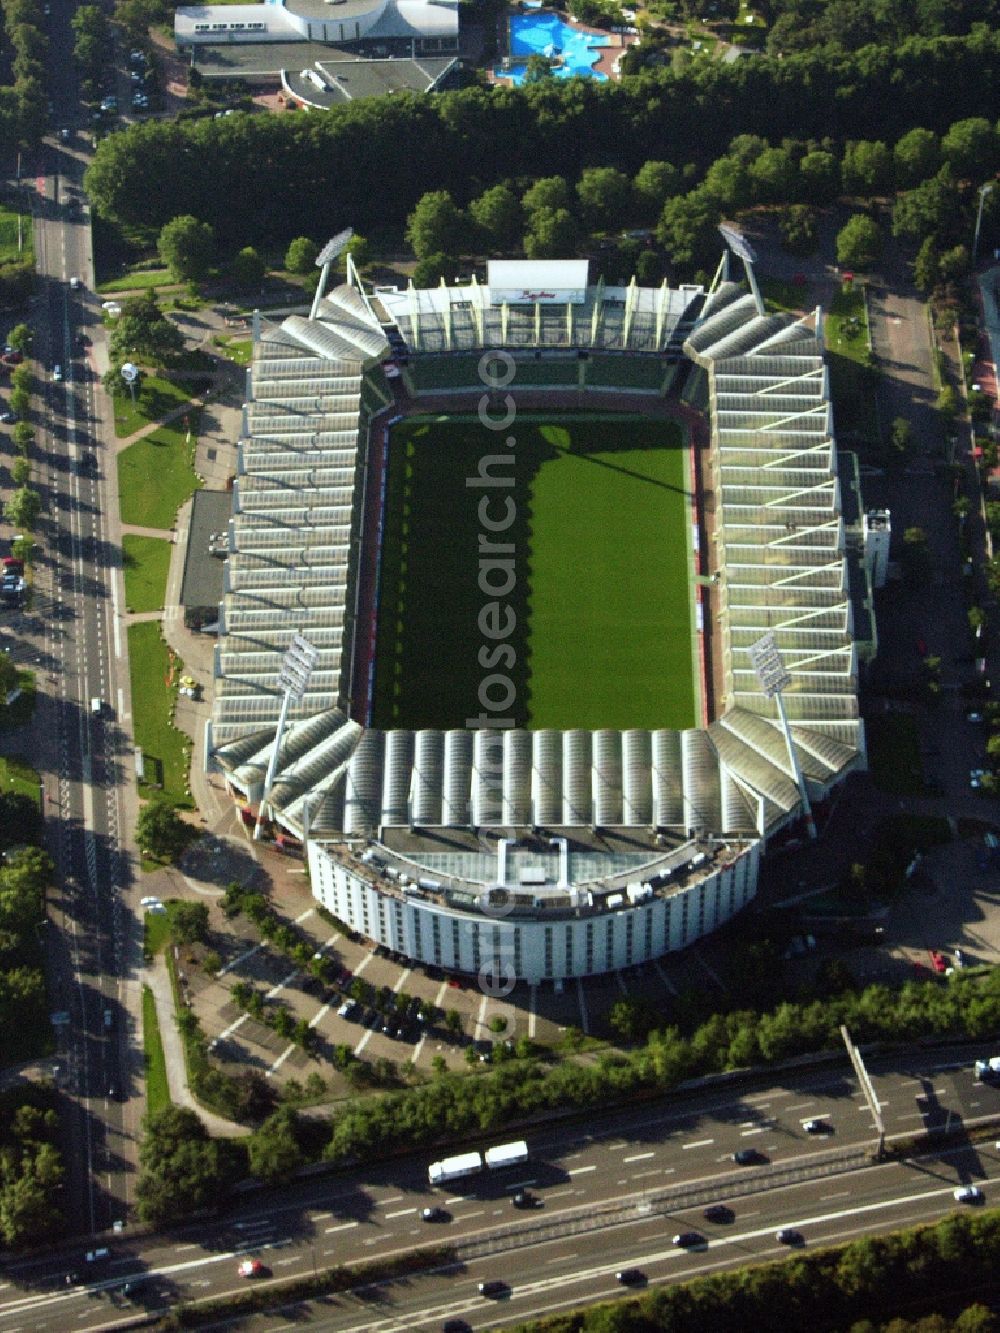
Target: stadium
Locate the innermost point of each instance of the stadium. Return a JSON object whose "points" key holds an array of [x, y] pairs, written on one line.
{"points": [[529, 530]]}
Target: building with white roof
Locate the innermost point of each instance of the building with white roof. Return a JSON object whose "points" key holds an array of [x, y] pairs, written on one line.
{"points": [[413, 25]]}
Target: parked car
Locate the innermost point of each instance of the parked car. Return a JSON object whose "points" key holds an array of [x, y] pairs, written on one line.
{"points": [[938, 962]]}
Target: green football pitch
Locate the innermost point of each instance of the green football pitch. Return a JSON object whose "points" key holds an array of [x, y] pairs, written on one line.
{"points": [[597, 629]]}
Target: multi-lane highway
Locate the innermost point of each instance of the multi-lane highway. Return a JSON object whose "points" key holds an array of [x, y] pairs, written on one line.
{"points": [[607, 1195], [73, 633]]}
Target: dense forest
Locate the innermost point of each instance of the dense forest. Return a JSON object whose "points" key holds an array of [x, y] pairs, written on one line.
{"points": [[266, 179]]}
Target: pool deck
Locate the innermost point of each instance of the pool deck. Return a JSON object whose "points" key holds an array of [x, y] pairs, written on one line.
{"points": [[608, 56]]}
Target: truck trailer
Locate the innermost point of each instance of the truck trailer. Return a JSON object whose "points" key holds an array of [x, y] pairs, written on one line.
{"points": [[454, 1168], [506, 1154]]}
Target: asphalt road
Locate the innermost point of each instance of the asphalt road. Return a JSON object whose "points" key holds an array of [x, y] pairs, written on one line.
{"points": [[72, 637], [606, 1197]]}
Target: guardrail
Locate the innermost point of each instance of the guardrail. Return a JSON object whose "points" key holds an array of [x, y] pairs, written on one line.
{"points": [[530, 1230]]}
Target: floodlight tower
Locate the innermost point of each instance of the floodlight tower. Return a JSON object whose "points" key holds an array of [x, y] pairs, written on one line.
{"points": [[296, 668], [742, 248], [324, 259], [773, 678]]}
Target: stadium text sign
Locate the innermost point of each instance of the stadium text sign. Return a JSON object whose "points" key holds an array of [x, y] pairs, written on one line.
{"points": [[526, 296]]}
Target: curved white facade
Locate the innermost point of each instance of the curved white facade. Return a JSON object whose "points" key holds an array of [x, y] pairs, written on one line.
{"points": [[602, 934]]}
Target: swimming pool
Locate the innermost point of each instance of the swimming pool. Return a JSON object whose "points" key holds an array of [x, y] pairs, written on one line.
{"points": [[547, 35]]}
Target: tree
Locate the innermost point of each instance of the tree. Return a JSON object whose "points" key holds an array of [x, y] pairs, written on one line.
{"points": [[20, 338], [819, 177], [866, 168], [23, 508], [551, 192], [144, 333], [537, 69], [429, 271], [654, 184], [436, 225], [799, 229], [774, 176], [187, 247], [160, 831], [900, 438], [916, 156], [453, 1022], [20, 471], [23, 434], [859, 242], [360, 249], [552, 234], [604, 193], [624, 1020], [181, 1170], [248, 268], [8, 676], [933, 208], [188, 922], [274, 1152], [300, 257], [926, 269], [970, 148], [498, 215], [688, 230], [20, 400]]}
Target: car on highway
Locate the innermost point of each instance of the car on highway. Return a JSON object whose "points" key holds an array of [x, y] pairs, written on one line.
{"points": [[250, 1268], [434, 1215], [747, 1157], [57, 372], [685, 1240], [456, 1326], [75, 284], [718, 1212], [968, 1194], [494, 1288], [630, 1277], [523, 1199], [817, 1127], [788, 1236]]}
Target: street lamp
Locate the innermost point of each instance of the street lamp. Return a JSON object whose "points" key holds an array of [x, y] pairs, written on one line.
{"points": [[984, 190]]}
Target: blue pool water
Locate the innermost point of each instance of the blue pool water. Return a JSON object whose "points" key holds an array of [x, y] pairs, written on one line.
{"points": [[547, 35]]}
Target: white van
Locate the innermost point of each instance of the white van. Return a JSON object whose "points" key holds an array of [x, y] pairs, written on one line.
{"points": [[97, 707]]}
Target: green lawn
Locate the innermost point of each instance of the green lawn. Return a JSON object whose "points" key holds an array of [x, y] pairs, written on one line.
{"points": [[156, 476], [155, 932], [601, 627], [786, 296], [20, 711], [156, 397], [9, 252], [153, 702], [157, 1088], [239, 350], [19, 777], [146, 561], [140, 280]]}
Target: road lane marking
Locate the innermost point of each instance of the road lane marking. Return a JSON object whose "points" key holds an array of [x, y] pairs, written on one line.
{"points": [[344, 1226], [840, 1194], [744, 1133], [701, 1143], [400, 1212], [639, 1157], [581, 1170]]}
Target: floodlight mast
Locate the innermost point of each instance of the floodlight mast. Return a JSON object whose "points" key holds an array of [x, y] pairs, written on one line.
{"points": [[773, 678], [324, 259], [742, 248], [296, 669]]}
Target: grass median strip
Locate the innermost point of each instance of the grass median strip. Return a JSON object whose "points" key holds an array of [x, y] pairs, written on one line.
{"points": [[157, 1088]]}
